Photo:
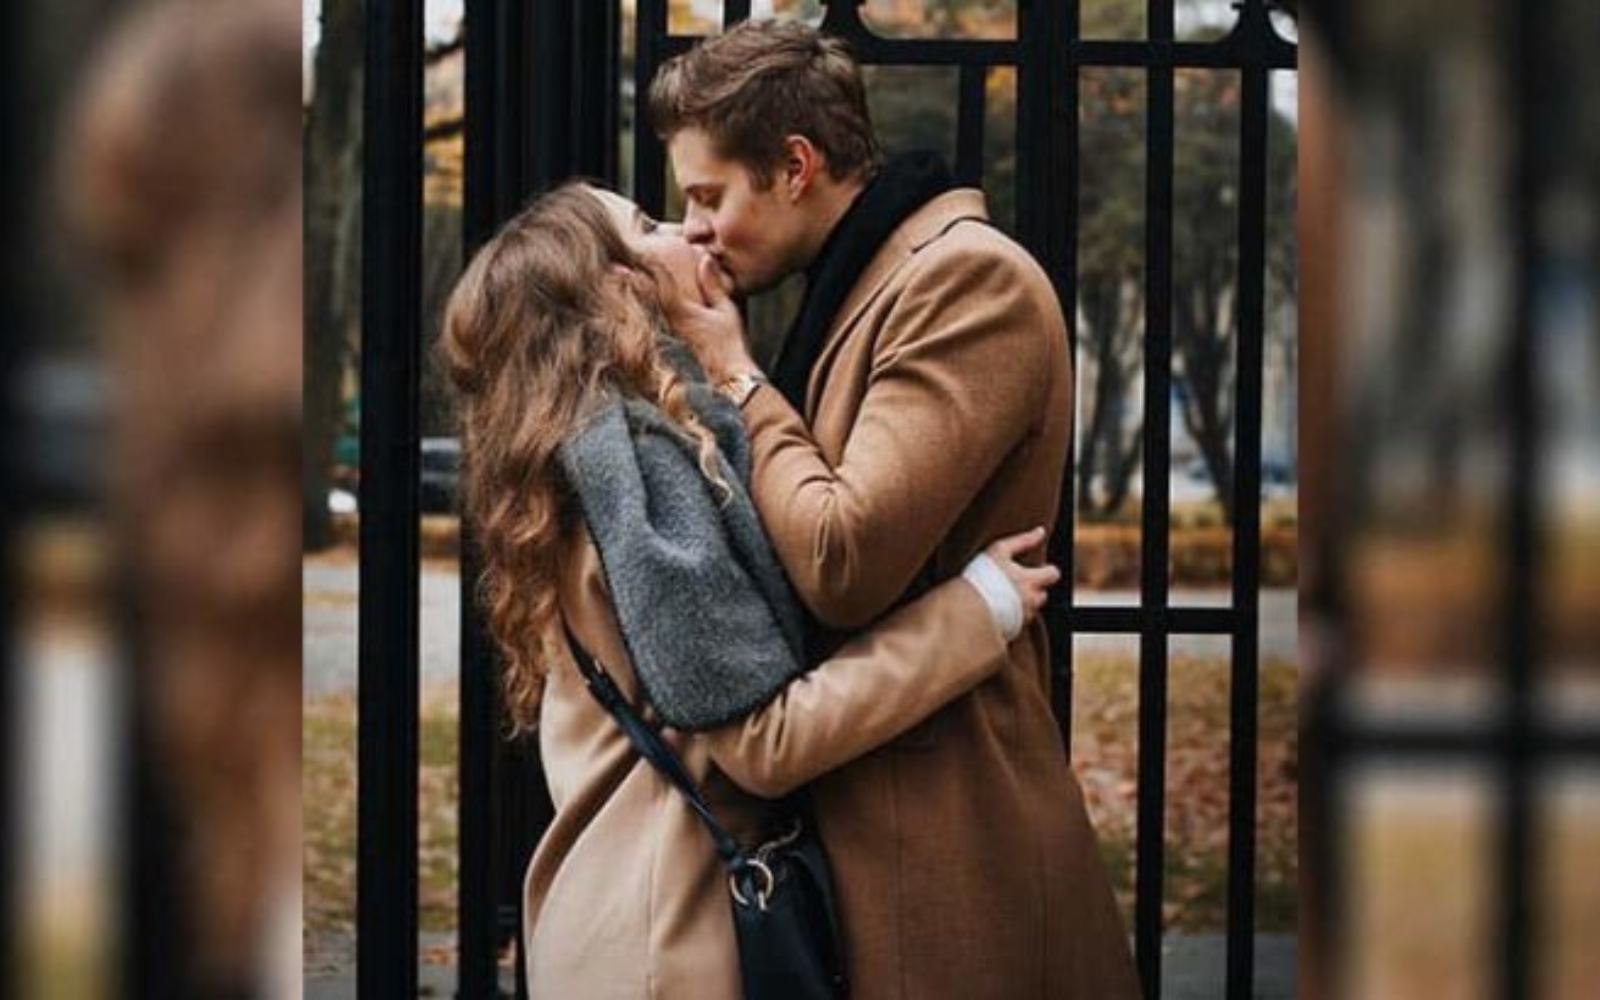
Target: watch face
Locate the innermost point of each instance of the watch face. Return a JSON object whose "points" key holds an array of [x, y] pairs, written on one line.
{"points": [[743, 386], [739, 388]]}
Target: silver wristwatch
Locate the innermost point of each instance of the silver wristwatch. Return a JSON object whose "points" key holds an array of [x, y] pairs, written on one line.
{"points": [[739, 388]]}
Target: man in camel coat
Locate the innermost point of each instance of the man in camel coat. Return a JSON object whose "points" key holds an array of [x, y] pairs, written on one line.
{"points": [[921, 405]]}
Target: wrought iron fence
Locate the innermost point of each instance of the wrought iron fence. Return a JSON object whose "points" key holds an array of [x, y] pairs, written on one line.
{"points": [[543, 98]]}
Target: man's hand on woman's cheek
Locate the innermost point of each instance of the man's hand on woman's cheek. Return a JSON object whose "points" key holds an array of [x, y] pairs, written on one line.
{"points": [[712, 327]]}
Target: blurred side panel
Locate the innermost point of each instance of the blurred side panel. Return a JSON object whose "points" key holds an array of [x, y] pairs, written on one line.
{"points": [[1450, 220], [175, 169], [60, 706]]}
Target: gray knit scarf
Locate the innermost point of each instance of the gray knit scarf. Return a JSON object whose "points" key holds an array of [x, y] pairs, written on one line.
{"points": [[706, 612]]}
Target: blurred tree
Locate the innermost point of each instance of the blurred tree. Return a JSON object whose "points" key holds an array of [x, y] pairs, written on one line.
{"points": [[1110, 321], [1206, 264], [1110, 327], [443, 153], [332, 245], [441, 265], [332, 242], [914, 108]]}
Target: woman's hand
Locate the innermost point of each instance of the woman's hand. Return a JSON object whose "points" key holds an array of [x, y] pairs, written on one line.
{"points": [[1032, 583]]}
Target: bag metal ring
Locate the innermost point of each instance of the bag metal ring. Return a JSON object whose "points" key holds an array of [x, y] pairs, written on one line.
{"points": [[763, 890]]}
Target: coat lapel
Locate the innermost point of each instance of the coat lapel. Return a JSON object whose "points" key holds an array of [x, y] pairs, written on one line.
{"points": [[923, 227]]}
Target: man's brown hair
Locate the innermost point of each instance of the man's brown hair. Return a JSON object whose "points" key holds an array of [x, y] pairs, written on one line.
{"points": [[762, 81]]}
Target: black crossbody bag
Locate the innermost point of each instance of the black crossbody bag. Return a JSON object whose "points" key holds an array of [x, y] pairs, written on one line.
{"points": [[784, 917]]}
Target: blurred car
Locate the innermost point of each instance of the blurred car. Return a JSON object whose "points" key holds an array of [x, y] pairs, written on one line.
{"points": [[439, 480], [63, 406], [341, 501], [1277, 479], [438, 477]]}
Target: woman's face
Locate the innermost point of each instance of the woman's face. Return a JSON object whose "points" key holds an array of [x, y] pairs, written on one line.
{"points": [[659, 244]]}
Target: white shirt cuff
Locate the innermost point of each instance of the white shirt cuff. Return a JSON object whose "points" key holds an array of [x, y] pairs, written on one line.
{"points": [[998, 592]]}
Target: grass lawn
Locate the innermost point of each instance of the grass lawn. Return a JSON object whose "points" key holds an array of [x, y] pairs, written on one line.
{"points": [[1105, 750], [329, 793]]}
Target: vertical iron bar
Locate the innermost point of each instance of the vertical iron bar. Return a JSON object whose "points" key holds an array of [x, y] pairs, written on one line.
{"points": [[573, 91], [1323, 827], [158, 898], [554, 129], [1156, 505], [18, 491], [594, 107], [1244, 682], [547, 69], [512, 108], [1534, 94], [479, 814], [1321, 165], [17, 496], [969, 125], [386, 893], [1041, 112], [1062, 151], [1062, 168], [485, 130], [514, 180], [523, 811], [843, 18], [1035, 33], [649, 156], [479, 122]]}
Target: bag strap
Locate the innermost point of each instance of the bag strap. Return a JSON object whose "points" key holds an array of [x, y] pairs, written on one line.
{"points": [[653, 749]]}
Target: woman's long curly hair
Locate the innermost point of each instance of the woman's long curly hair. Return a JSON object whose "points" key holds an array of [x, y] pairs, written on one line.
{"points": [[552, 314]]}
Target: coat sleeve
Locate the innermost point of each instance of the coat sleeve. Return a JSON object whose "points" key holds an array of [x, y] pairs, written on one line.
{"points": [[875, 688], [959, 376]]}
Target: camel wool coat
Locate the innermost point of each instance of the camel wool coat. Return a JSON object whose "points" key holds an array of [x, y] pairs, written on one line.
{"points": [[937, 418], [625, 897]]}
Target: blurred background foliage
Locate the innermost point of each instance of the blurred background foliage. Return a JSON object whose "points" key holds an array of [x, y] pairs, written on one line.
{"points": [[913, 108]]}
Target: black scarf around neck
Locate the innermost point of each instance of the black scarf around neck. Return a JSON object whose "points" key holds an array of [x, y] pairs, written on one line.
{"points": [[905, 184]]}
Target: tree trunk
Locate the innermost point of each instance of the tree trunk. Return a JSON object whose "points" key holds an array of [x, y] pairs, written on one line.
{"points": [[1102, 437], [1203, 350], [332, 218]]}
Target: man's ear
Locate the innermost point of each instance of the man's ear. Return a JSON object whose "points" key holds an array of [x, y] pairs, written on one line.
{"points": [[801, 162]]}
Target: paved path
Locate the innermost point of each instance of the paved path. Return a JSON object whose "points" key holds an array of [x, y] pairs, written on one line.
{"points": [[1279, 619], [329, 591], [1194, 967]]}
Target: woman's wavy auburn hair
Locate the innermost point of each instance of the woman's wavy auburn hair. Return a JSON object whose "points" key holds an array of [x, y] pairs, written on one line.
{"points": [[553, 313]]}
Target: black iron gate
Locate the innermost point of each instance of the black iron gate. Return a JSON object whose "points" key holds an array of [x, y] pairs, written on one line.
{"points": [[543, 94]]}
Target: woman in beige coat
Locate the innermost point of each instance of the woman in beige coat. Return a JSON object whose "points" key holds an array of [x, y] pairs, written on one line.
{"points": [[590, 438]]}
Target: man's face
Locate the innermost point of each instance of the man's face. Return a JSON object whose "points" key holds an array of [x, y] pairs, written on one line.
{"points": [[757, 236]]}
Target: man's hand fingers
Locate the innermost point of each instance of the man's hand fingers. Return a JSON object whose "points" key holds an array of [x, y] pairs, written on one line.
{"points": [[1044, 577], [713, 287], [1011, 546]]}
